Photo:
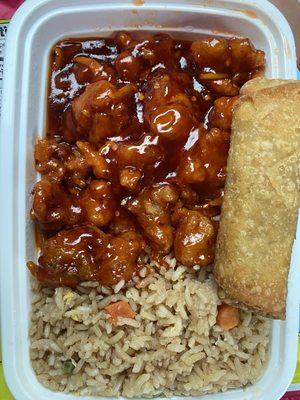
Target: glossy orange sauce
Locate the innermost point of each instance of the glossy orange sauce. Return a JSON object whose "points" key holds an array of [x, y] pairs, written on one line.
{"points": [[137, 138]]}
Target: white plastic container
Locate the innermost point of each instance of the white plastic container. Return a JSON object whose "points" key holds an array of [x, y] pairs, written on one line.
{"points": [[34, 29]]}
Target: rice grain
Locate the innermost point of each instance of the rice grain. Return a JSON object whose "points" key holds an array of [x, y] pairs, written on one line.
{"points": [[172, 347]]}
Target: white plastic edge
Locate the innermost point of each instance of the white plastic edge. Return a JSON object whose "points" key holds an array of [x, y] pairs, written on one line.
{"points": [[8, 173]]}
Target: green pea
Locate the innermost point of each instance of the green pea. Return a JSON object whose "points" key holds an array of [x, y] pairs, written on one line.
{"points": [[68, 367]]}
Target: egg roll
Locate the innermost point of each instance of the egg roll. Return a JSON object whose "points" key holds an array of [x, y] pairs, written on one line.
{"points": [[262, 83], [261, 200]]}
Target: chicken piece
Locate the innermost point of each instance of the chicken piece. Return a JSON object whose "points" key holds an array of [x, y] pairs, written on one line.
{"points": [[168, 109], [123, 39], [141, 154], [225, 65], [172, 122], [162, 46], [130, 179], [194, 238], [104, 126], [77, 170], [122, 222], [127, 66], [214, 147], [155, 50], [102, 110], [211, 52], [163, 89], [119, 309], [58, 57], [98, 203], [152, 207], [244, 57], [221, 115], [100, 70], [64, 52], [87, 254], [50, 158], [98, 94], [60, 161], [95, 160], [158, 93], [188, 195], [53, 207], [71, 257], [212, 207], [228, 317], [205, 162], [120, 260], [230, 56], [191, 169]]}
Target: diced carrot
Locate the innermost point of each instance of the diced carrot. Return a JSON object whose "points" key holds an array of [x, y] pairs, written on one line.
{"points": [[228, 317], [119, 309]]}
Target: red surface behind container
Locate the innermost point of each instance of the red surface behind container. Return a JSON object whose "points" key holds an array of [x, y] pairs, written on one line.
{"points": [[292, 395], [8, 7]]}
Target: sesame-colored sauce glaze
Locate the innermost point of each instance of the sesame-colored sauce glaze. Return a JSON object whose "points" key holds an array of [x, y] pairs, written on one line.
{"points": [[135, 152]]}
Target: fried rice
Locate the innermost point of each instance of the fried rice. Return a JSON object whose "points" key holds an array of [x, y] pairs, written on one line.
{"points": [[172, 347]]}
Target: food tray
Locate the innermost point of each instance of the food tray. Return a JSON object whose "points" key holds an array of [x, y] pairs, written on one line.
{"points": [[36, 26]]}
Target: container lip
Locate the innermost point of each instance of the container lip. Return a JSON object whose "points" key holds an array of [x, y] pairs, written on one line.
{"points": [[247, 9], [31, 12]]}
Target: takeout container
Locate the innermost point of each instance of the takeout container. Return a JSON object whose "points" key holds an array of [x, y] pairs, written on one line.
{"points": [[39, 24]]}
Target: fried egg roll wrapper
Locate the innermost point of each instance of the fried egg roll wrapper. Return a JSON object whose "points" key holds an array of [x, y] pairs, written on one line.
{"points": [[261, 201]]}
